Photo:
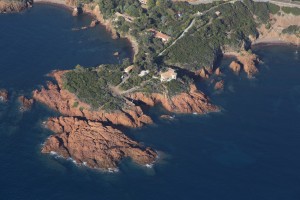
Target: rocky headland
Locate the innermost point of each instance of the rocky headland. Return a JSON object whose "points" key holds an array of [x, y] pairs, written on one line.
{"points": [[85, 134], [61, 100], [93, 144]]}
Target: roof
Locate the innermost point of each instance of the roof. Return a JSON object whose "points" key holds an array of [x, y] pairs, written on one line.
{"points": [[129, 68], [168, 74], [160, 35]]}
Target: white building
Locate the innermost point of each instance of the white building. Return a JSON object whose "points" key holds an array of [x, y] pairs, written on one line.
{"points": [[169, 75], [143, 73]]}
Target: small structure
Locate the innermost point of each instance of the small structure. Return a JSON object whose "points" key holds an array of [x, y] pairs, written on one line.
{"points": [[128, 69], [218, 13], [169, 75], [143, 1], [160, 35], [144, 73]]}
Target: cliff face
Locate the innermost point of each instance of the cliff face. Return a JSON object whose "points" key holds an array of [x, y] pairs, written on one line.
{"points": [[93, 144], [192, 102], [7, 6], [63, 101], [274, 33]]}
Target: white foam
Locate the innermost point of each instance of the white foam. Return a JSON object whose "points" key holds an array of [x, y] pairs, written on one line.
{"points": [[149, 165], [113, 170], [73, 161]]}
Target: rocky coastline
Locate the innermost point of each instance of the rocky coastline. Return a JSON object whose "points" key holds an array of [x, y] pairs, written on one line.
{"points": [[25, 103], [61, 100], [14, 6], [94, 144]]}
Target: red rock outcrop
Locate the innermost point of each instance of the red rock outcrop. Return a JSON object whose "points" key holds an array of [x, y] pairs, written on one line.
{"points": [[26, 103], [219, 85], [82, 135], [94, 23], [13, 6], [3, 95], [193, 101], [93, 144], [218, 71], [63, 101], [235, 67], [248, 61], [203, 73]]}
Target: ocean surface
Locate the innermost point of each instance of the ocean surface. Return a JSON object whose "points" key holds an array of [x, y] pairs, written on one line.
{"points": [[249, 151]]}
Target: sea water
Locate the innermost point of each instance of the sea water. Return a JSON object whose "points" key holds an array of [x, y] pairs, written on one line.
{"points": [[248, 151]]}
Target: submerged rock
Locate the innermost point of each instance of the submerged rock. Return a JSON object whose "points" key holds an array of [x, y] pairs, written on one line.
{"points": [[26, 104], [3, 95], [219, 85], [168, 117], [93, 144]]}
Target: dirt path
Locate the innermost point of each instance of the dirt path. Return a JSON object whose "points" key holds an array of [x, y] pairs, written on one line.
{"points": [[199, 14]]}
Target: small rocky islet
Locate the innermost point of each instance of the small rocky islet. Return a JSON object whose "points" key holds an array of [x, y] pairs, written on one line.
{"points": [[86, 132]]}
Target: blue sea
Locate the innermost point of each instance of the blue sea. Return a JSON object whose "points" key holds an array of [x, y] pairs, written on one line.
{"points": [[249, 151]]}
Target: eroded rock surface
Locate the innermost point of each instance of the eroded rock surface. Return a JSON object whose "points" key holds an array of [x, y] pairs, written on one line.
{"points": [[219, 85], [7, 6], [26, 103], [235, 67], [249, 62], [93, 144], [188, 102], [63, 101]]}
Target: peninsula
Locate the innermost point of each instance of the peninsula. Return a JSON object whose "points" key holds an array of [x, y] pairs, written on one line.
{"points": [[176, 44]]}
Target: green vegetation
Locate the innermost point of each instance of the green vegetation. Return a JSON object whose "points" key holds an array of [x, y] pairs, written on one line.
{"points": [[294, 29], [214, 28], [291, 10], [201, 46], [91, 85], [75, 104]]}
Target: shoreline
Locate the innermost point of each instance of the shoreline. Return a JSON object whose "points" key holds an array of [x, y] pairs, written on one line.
{"points": [[57, 3], [104, 23]]}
